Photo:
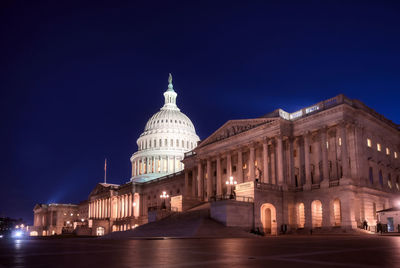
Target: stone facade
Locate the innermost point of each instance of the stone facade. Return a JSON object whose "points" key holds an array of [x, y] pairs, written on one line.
{"points": [[330, 165]]}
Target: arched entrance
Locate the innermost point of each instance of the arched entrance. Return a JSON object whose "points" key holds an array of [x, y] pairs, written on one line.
{"points": [[337, 215], [316, 213], [301, 218], [268, 219]]}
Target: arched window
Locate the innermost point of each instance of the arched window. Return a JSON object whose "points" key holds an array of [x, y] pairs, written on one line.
{"points": [[177, 143], [160, 143], [172, 143], [316, 213], [154, 143], [380, 177], [337, 212], [371, 175], [165, 142], [183, 144], [187, 144]]}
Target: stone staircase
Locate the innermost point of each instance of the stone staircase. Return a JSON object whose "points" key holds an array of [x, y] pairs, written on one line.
{"points": [[195, 222]]}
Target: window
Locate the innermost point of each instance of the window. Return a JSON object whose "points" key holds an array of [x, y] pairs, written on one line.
{"points": [[369, 143], [395, 155], [172, 143], [310, 150], [177, 143], [397, 183], [387, 151], [380, 177], [160, 143], [340, 141], [294, 153], [371, 175], [390, 181], [327, 145], [378, 147]]}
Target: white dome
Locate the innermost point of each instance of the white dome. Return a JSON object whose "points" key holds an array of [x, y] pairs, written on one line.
{"points": [[168, 134]]}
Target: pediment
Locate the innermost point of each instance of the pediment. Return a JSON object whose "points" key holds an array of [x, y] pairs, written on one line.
{"points": [[235, 127], [100, 188]]}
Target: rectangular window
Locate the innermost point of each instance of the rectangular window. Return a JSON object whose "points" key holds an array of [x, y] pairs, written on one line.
{"points": [[294, 153], [369, 143], [327, 145], [395, 155], [378, 147], [387, 151], [340, 141]]}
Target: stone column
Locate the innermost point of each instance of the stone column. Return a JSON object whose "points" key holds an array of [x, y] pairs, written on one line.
{"points": [[344, 154], [251, 164], [279, 157], [265, 162], [228, 165], [193, 184], [307, 166], [239, 168], [186, 183], [219, 183], [199, 181], [273, 163], [325, 164], [209, 180], [291, 162], [174, 165]]}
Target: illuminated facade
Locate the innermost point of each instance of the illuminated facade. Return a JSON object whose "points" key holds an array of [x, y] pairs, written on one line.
{"points": [[327, 167]]}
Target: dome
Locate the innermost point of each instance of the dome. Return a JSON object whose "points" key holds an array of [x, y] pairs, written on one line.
{"points": [[168, 134]]}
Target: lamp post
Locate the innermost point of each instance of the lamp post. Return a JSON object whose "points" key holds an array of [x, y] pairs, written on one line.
{"points": [[164, 196], [231, 182]]}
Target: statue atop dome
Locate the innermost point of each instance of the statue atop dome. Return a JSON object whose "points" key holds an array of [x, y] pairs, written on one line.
{"points": [[170, 78]]}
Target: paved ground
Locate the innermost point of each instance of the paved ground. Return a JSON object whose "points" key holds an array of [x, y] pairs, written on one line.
{"points": [[289, 251]]}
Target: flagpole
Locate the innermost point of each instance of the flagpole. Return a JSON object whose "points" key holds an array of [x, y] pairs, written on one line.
{"points": [[105, 170]]}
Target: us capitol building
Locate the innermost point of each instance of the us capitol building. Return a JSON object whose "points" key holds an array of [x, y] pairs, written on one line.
{"points": [[330, 166]]}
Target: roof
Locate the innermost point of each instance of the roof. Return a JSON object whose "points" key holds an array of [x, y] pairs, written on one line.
{"points": [[389, 209]]}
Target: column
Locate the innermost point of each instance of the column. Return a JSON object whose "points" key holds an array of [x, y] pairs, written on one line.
{"points": [[154, 165], [229, 165], [186, 183], [168, 170], [219, 183], [133, 169], [265, 162], [193, 184], [239, 168], [291, 162], [174, 168], [279, 157], [199, 181], [325, 167], [147, 165], [274, 175], [209, 179], [307, 166], [88, 210], [344, 154], [251, 164]]}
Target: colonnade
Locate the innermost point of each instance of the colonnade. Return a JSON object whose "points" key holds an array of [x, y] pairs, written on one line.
{"points": [[272, 160], [116, 207], [156, 164]]}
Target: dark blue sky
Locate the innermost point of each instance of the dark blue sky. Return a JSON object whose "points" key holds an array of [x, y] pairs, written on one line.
{"points": [[78, 83]]}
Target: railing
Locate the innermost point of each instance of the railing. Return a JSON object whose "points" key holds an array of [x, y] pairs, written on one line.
{"points": [[334, 183], [246, 199], [315, 186], [267, 186]]}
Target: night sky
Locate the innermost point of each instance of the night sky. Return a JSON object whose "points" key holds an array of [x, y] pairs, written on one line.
{"points": [[78, 83]]}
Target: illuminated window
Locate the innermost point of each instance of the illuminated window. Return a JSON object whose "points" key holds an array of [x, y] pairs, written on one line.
{"points": [[395, 155], [387, 151], [379, 147], [369, 143], [340, 141], [327, 145]]}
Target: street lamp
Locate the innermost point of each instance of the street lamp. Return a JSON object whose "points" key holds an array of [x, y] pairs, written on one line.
{"points": [[164, 196], [231, 182]]}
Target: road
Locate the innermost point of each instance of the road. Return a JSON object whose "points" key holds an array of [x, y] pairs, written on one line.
{"points": [[283, 251]]}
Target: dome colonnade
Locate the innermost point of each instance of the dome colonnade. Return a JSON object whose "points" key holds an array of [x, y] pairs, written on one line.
{"points": [[168, 134]]}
